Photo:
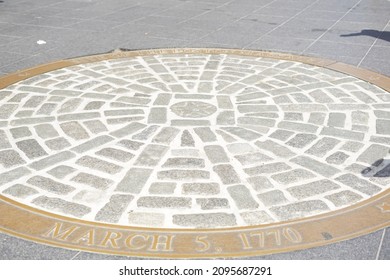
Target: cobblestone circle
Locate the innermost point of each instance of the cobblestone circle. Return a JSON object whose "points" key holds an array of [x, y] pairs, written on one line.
{"points": [[193, 141]]}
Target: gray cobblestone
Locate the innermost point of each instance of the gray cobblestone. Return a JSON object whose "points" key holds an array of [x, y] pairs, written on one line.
{"points": [[134, 180], [351, 146], [382, 114], [162, 188], [242, 133], [316, 166], [226, 118], [94, 105], [92, 181], [92, 144], [200, 189], [311, 189], [182, 162], [166, 135], [224, 102], [74, 130], [299, 209], [24, 113], [61, 171], [275, 148], [216, 154], [337, 158], [113, 210], [301, 127], [341, 133], [188, 174], [56, 144], [210, 220], [10, 158], [271, 198], [187, 140], [260, 183], [348, 107], [70, 106], [292, 176], [301, 140], [31, 148], [240, 148], [65, 93], [95, 126], [383, 127], [336, 120], [123, 112], [146, 133], [358, 184], [320, 96], [20, 191], [304, 108], [13, 174], [157, 115], [58, 204], [190, 122], [128, 130], [98, 164], [29, 121], [163, 99], [130, 145], [256, 121], [46, 131], [252, 158], [115, 154], [360, 117], [17, 132], [256, 217], [164, 202], [281, 134], [343, 198], [227, 174], [50, 185], [147, 219], [6, 110], [212, 203], [205, 134], [317, 118], [78, 116], [242, 197], [33, 102], [257, 108], [323, 146], [373, 153], [267, 168], [151, 155]]}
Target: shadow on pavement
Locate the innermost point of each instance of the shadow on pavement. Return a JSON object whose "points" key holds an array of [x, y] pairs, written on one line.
{"points": [[380, 168], [382, 35]]}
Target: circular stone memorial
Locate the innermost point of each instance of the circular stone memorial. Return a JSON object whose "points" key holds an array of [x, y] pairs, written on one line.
{"points": [[194, 153]]}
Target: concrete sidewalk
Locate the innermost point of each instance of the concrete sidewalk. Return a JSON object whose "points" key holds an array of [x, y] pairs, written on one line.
{"points": [[351, 31]]}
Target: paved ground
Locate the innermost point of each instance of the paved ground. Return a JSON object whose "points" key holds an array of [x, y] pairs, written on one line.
{"points": [[355, 32]]}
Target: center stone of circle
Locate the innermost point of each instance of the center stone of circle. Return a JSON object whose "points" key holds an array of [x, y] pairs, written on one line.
{"points": [[193, 109]]}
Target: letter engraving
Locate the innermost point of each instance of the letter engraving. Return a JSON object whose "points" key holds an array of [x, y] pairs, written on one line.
{"points": [[88, 238], [204, 244], [111, 237], [56, 232], [136, 241], [161, 243], [275, 237]]}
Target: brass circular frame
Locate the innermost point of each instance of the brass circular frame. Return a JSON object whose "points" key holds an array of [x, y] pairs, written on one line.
{"points": [[43, 227]]}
